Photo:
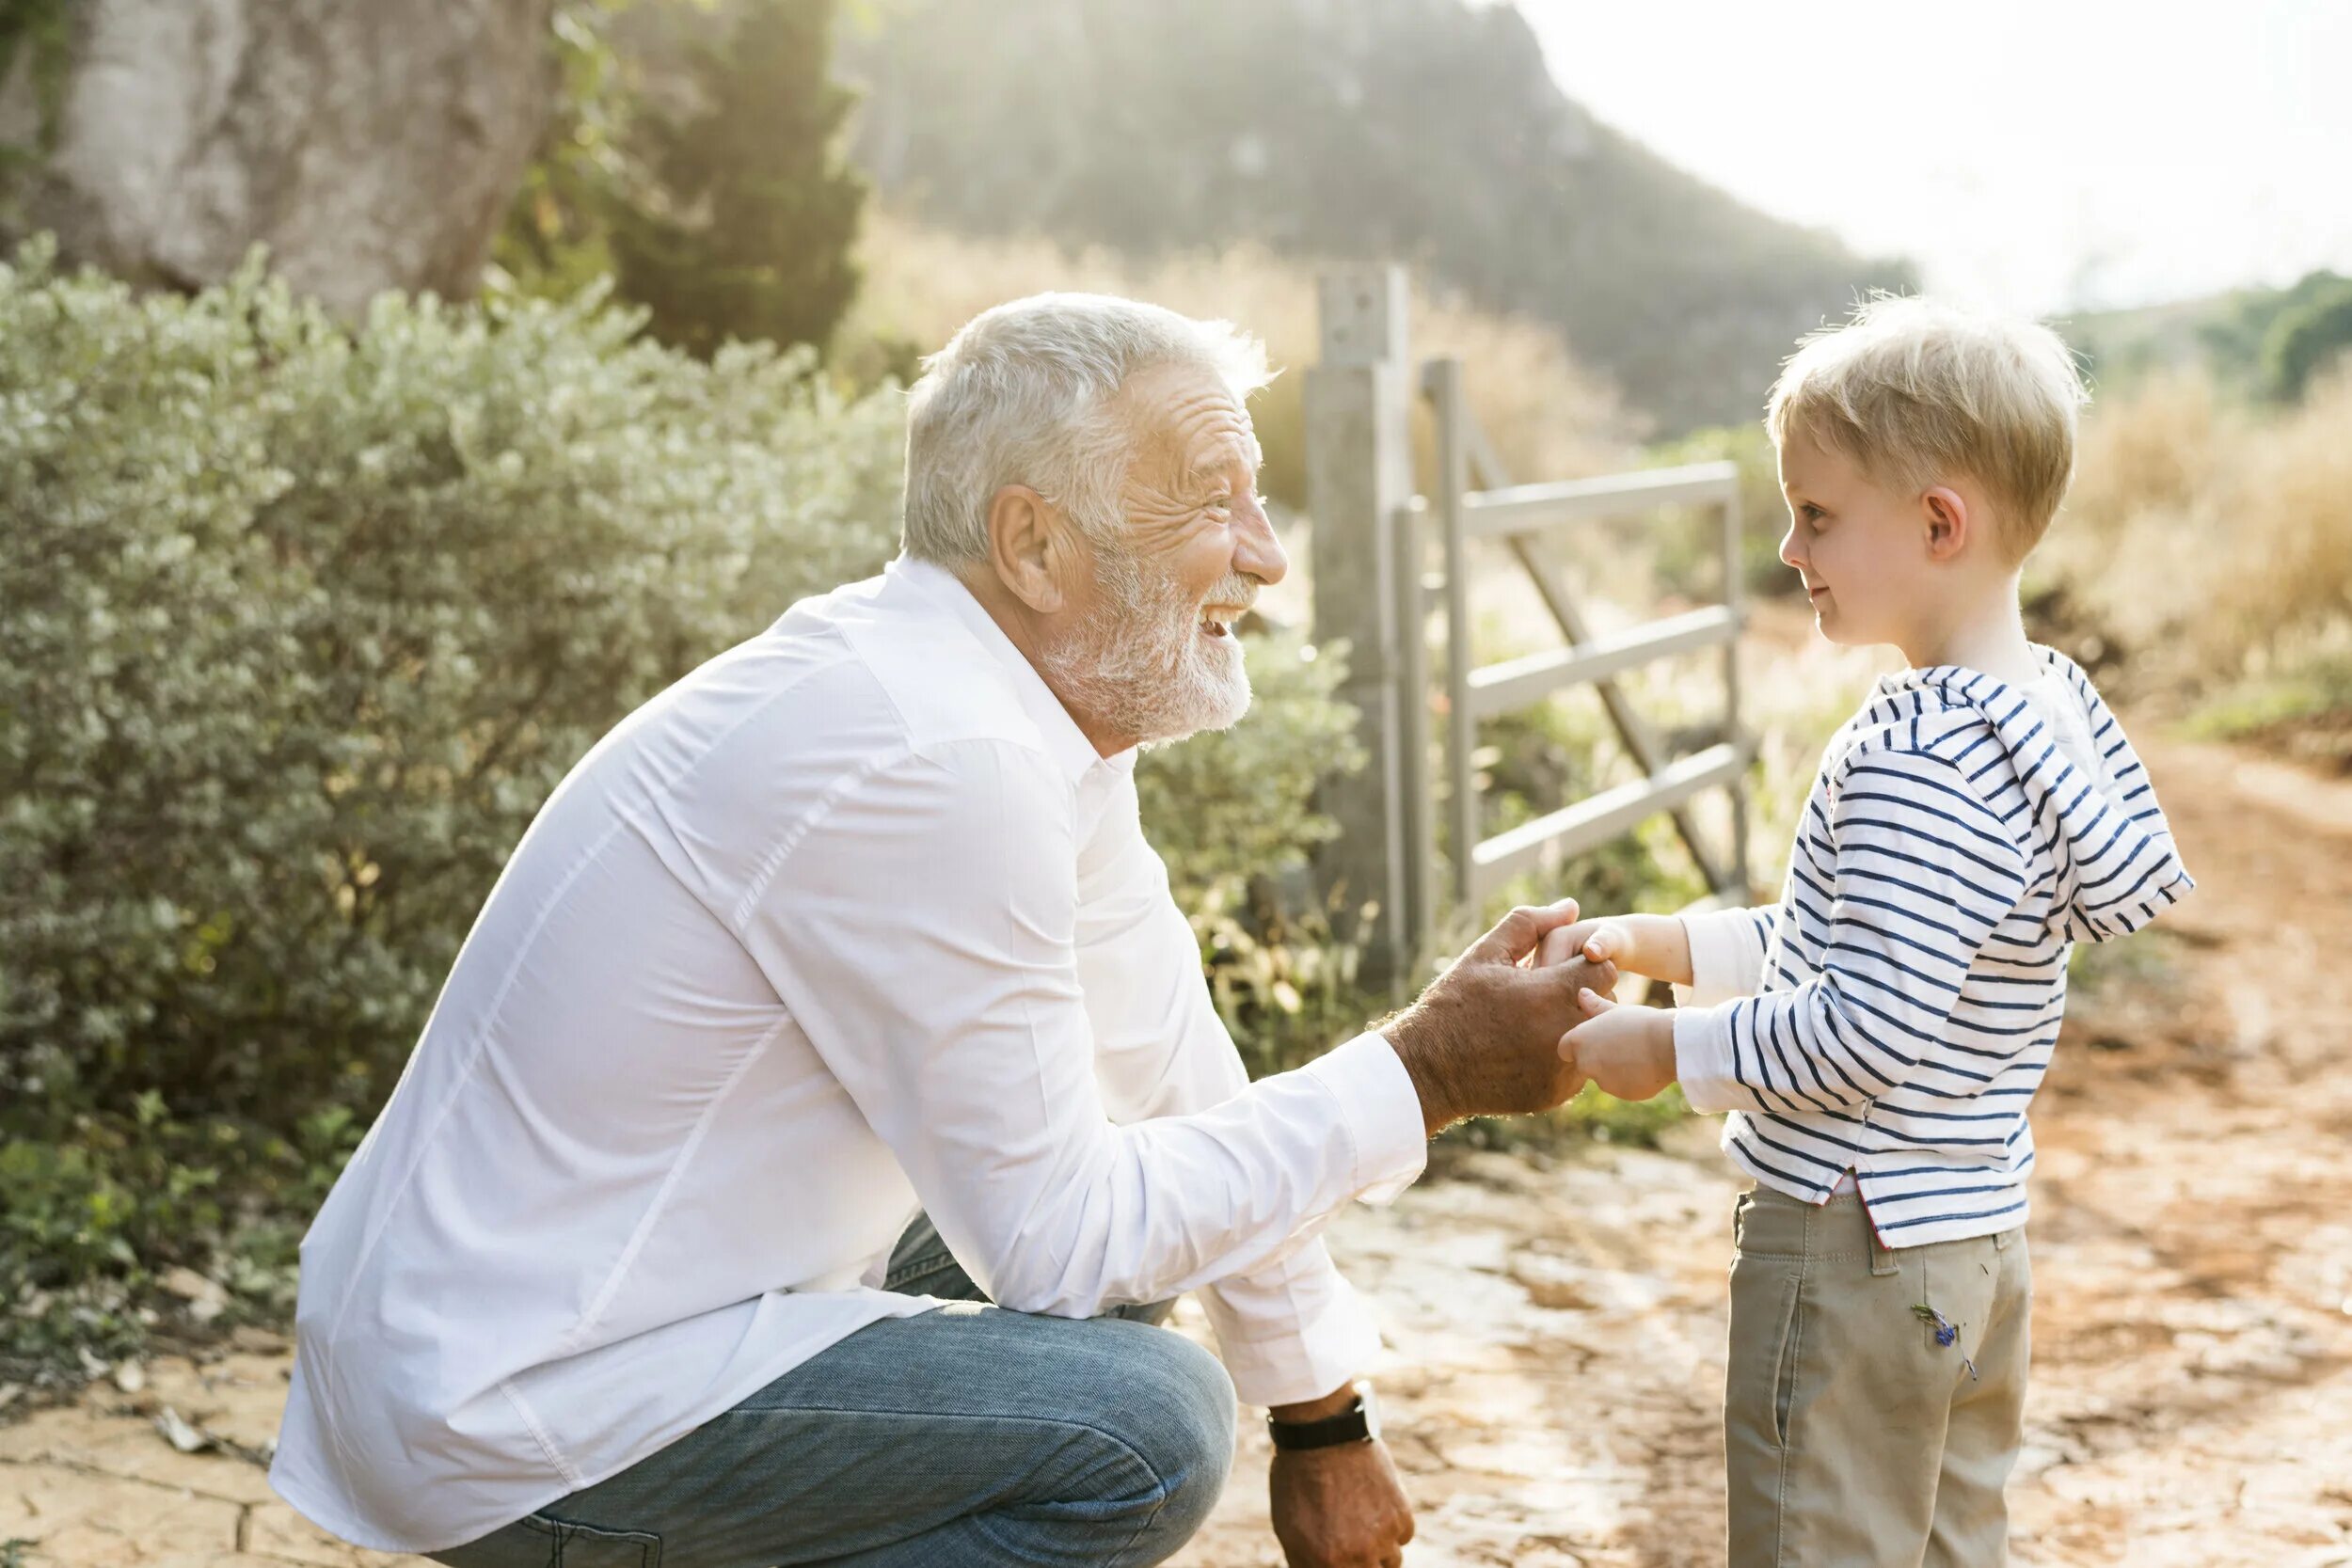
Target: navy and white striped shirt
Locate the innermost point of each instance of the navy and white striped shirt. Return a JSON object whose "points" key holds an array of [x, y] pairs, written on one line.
{"points": [[1894, 1014]]}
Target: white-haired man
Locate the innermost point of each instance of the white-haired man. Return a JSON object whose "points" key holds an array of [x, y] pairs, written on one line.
{"points": [[834, 996]]}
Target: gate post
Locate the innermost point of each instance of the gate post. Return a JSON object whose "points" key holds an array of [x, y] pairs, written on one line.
{"points": [[1360, 476]]}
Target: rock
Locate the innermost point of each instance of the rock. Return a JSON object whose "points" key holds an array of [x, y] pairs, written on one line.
{"points": [[1551, 1282], [206, 1298], [177, 1432], [188, 1285], [130, 1376]]}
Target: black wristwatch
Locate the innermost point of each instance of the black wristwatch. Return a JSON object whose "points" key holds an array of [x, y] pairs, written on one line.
{"points": [[1358, 1423]]}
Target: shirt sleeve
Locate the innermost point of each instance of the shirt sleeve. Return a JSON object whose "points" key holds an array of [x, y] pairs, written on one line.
{"points": [[1293, 1328], [921, 930], [1921, 874], [1728, 949]]}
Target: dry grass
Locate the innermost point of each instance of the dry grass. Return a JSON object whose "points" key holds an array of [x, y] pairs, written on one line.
{"points": [[2215, 539], [1548, 416]]}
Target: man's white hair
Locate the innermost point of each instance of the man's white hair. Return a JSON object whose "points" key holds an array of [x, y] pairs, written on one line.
{"points": [[1022, 395]]}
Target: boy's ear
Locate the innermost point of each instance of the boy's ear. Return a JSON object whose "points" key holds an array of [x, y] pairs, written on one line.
{"points": [[1945, 513]]}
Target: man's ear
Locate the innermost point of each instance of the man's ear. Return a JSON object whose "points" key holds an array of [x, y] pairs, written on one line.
{"points": [[1945, 513], [1028, 548]]}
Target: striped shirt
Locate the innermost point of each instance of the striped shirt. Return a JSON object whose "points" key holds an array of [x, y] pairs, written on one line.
{"points": [[1894, 1014]]}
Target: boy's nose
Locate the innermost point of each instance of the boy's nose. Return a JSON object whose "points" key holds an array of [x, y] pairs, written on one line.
{"points": [[1788, 555]]}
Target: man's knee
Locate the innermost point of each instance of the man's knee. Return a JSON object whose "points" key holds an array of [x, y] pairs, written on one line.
{"points": [[1177, 1413]]}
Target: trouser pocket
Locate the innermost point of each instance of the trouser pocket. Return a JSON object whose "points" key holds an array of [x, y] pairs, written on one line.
{"points": [[571, 1546], [1785, 1365]]}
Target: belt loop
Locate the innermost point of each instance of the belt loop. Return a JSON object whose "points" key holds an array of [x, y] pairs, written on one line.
{"points": [[2001, 1239], [1882, 1259]]}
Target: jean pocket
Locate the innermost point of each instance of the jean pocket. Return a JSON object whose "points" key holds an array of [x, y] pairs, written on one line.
{"points": [[574, 1545]]}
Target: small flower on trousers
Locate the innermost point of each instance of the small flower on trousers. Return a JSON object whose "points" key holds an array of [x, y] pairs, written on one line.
{"points": [[1946, 1332]]}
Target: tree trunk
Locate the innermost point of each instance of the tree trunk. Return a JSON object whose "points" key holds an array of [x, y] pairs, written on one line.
{"points": [[369, 144]]}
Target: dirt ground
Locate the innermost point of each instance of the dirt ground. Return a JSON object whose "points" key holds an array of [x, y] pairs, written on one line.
{"points": [[1557, 1326]]}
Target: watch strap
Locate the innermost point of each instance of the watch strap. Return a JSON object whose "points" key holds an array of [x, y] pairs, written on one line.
{"points": [[1352, 1425]]}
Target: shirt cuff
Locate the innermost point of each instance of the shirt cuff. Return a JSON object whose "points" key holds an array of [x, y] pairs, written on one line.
{"points": [[1305, 1359], [1381, 1111], [1726, 959], [1703, 1059]]}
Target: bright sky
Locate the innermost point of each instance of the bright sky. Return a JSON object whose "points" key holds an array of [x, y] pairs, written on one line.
{"points": [[2039, 155]]}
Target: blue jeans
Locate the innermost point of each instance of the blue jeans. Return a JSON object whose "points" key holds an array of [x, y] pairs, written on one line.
{"points": [[967, 1435]]}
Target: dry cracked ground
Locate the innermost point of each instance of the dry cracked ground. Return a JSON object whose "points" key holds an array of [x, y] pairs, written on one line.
{"points": [[1556, 1326]]}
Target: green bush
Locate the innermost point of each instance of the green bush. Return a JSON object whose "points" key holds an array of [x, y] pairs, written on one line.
{"points": [[299, 628], [1234, 815], [2306, 338]]}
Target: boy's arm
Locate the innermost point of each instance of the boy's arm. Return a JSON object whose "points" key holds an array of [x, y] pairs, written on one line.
{"points": [[1922, 872]]}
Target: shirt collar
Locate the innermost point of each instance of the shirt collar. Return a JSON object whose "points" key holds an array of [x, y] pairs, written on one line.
{"points": [[1064, 741]]}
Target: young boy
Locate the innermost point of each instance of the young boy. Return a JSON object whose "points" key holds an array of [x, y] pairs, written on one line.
{"points": [[1878, 1034]]}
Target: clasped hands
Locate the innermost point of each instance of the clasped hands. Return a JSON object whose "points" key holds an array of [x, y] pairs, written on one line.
{"points": [[1521, 1019], [1628, 1051]]}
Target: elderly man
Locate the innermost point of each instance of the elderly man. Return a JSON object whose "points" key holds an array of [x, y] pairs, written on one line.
{"points": [[835, 996]]}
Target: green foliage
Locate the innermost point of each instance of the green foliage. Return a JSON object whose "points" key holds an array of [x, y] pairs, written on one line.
{"points": [[2234, 337], [297, 629], [1233, 813], [693, 159], [1690, 543], [2302, 710], [753, 236], [2307, 338], [1234, 804], [43, 29], [554, 243]]}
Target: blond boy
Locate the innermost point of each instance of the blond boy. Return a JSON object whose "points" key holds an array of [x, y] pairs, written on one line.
{"points": [[1876, 1035]]}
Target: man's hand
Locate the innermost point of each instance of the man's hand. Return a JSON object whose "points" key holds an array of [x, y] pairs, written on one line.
{"points": [[1629, 1051], [1656, 946], [1485, 1038], [1340, 1507]]}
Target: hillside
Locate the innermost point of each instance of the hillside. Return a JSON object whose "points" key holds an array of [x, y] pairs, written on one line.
{"points": [[2227, 333], [1426, 130]]}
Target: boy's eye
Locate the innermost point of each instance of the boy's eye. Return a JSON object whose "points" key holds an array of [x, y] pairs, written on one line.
{"points": [[1811, 513]]}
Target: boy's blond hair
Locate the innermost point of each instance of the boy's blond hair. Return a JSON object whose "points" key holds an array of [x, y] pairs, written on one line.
{"points": [[1914, 392]]}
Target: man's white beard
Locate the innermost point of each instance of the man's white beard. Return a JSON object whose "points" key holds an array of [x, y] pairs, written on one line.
{"points": [[1141, 666]]}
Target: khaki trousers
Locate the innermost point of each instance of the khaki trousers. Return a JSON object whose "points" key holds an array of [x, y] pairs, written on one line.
{"points": [[1854, 1439]]}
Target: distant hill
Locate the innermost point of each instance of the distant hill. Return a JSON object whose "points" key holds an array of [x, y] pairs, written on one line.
{"points": [[2232, 335], [1425, 131]]}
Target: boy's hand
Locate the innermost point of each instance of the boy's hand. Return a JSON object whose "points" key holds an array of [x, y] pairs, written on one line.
{"points": [[1652, 945], [1629, 1051]]}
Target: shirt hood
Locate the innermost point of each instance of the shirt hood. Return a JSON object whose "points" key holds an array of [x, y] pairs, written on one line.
{"points": [[2089, 803]]}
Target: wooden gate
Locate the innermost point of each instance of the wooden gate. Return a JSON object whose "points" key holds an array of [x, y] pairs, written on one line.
{"points": [[1374, 545]]}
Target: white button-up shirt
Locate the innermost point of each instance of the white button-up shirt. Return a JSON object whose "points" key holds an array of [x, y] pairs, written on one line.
{"points": [[853, 919]]}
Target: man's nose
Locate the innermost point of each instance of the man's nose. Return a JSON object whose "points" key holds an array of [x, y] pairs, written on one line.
{"points": [[1257, 553]]}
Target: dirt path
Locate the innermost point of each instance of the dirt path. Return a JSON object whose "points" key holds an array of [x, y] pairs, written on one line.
{"points": [[1557, 1326]]}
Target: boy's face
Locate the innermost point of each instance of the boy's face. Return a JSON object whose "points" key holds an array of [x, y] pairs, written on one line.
{"points": [[1861, 549]]}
